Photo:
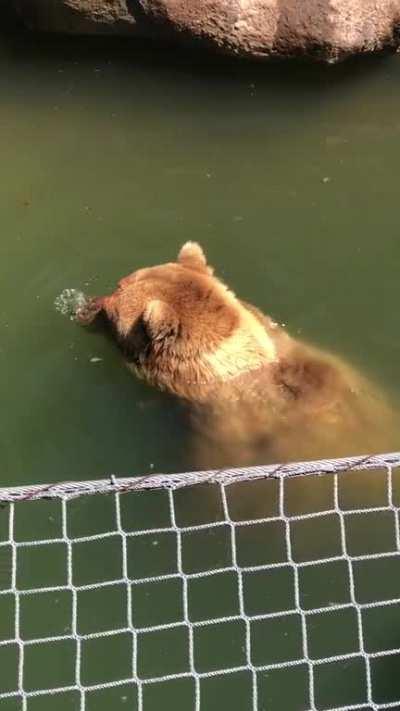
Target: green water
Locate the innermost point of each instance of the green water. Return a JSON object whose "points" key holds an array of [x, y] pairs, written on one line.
{"points": [[110, 160]]}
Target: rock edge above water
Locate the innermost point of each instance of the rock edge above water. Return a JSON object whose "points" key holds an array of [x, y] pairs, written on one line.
{"points": [[327, 30]]}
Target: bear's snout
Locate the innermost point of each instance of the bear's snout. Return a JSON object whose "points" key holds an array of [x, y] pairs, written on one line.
{"points": [[88, 313]]}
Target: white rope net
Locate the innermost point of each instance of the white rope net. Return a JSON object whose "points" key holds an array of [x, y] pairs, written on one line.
{"points": [[266, 588]]}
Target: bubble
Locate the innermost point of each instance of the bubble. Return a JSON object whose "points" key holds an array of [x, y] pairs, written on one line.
{"points": [[69, 302]]}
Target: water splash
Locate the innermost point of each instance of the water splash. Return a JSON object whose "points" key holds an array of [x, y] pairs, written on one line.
{"points": [[70, 301]]}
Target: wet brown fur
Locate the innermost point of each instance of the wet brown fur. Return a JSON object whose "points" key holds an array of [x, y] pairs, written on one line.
{"points": [[255, 393]]}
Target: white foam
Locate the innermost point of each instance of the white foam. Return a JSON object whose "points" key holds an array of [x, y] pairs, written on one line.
{"points": [[69, 301]]}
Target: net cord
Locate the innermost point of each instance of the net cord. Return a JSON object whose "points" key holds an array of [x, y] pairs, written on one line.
{"points": [[224, 477]]}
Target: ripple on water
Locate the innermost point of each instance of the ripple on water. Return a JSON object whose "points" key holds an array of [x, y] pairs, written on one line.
{"points": [[69, 301]]}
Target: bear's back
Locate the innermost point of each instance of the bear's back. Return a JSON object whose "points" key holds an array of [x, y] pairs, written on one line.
{"points": [[306, 405]]}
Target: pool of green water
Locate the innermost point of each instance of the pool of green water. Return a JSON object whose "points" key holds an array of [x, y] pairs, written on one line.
{"points": [[110, 159]]}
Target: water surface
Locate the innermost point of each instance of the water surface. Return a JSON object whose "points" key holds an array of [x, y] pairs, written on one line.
{"points": [[110, 160]]}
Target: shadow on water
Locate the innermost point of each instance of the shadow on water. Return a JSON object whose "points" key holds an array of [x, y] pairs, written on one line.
{"points": [[166, 59], [192, 76]]}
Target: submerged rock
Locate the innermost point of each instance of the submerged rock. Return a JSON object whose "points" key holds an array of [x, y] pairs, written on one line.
{"points": [[321, 29]]}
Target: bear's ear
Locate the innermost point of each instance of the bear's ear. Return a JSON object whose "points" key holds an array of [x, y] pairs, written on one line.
{"points": [[160, 320], [191, 255]]}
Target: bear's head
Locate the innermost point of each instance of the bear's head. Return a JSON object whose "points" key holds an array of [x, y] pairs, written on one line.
{"points": [[180, 327]]}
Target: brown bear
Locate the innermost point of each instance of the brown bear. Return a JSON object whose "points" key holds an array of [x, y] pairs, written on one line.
{"points": [[256, 394]]}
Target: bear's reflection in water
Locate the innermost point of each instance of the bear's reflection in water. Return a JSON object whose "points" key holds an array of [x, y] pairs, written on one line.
{"points": [[255, 394]]}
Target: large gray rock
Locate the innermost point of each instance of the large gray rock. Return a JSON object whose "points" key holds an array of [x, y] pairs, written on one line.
{"points": [[326, 29]]}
